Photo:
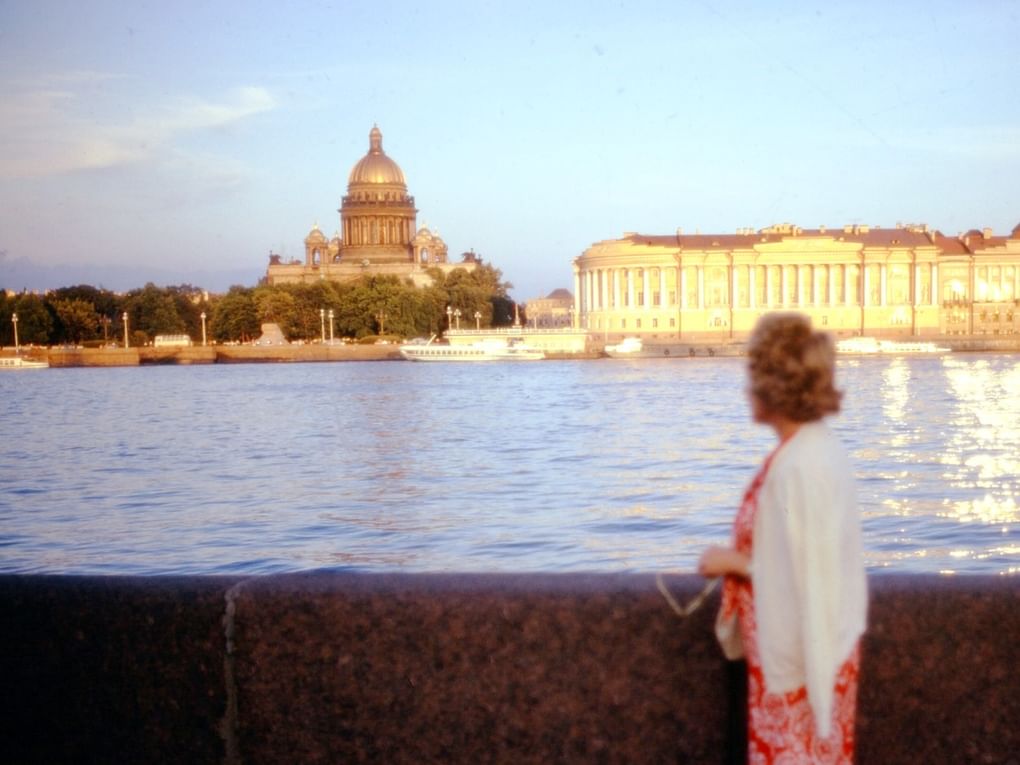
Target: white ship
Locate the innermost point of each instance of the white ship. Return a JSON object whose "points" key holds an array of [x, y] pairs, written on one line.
{"points": [[16, 362], [872, 345], [512, 349], [629, 346], [636, 348]]}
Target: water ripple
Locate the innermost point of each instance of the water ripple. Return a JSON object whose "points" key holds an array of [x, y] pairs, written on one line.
{"points": [[556, 466]]}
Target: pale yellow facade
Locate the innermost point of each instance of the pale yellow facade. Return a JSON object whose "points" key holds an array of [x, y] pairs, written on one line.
{"points": [[855, 280], [554, 310]]}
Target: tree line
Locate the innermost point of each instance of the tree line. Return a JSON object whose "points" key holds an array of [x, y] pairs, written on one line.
{"points": [[372, 305]]}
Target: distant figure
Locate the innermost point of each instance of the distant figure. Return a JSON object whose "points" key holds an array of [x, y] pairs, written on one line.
{"points": [[795, 596]]}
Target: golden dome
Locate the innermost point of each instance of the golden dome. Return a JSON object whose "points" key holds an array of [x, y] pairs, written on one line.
{"points": [[315, 235], [375, 167]]}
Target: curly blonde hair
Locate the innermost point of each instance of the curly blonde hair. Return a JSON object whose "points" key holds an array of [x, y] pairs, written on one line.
{"points": [[792, 368]]}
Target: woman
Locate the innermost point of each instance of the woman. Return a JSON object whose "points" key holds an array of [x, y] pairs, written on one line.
{"points": [[795, 598]]}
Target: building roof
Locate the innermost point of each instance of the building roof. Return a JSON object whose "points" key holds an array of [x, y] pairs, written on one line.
{"points": [[950, 245], [375, 167], [866, 235], [560, 294], [315, 235]]}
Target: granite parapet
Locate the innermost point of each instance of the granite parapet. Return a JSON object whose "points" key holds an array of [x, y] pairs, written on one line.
{"points": [[496, 668], [448, 668], [111, 669]]}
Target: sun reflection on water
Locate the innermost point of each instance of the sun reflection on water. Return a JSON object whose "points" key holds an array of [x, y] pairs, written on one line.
{"points": [[563, 466]]}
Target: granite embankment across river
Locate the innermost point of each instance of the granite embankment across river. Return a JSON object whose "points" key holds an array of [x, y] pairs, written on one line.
{"points": [[406, 668], [216, 354], [315, 352]]}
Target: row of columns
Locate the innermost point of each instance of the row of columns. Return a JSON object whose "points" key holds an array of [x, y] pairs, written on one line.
{"points": [[376, 229], [595, 285]]}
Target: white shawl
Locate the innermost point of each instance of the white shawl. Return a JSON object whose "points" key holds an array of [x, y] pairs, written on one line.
{"points": [[810, 589]]}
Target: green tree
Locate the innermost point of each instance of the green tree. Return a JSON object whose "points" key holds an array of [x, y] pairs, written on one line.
{"points": [[78, 319], [107, 305], [6, 327], [311, 304], [234, 316], [276, 305], [190, 302], [354, 313], [35, 323], [103, 301], [153, 311]]}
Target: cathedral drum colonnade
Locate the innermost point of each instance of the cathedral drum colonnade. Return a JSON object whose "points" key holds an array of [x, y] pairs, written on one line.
{"points": [[857, 279]]}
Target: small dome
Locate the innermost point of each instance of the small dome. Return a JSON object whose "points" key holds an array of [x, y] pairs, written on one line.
{"points": [[375, 167], [315, 235]]}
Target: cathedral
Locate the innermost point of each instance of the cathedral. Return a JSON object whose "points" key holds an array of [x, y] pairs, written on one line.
{"points": [[378, 232]]}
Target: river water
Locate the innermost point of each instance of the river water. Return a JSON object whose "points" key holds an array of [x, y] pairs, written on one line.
{"points": [[547, 466]]}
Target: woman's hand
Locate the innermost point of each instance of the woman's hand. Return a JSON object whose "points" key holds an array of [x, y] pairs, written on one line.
{"points": [[721, 561]]}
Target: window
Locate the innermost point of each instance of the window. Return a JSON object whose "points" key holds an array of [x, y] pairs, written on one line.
{"points": [[655, 323], [898, 284], [638, 324], [742, 288]]}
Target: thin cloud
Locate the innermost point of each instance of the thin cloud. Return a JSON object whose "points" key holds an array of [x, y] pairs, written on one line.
{"points": [[46, 131]]}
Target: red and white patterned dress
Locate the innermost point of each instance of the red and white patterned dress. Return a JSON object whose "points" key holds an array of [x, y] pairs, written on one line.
{"points": [[781, 726]]}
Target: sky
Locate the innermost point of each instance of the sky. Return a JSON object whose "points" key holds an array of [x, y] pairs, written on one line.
{"points": [[182, 142]]}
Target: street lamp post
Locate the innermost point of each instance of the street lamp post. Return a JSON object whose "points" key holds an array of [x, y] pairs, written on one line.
{"points": [[106, 329], [14, 321], [127, 343], [330, 326], [478, 320], [203, 328], [322, 324], [449, 317], [456, 315]]}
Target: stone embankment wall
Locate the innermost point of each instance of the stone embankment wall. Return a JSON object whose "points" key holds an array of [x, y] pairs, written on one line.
{"points": [[219, 354], [982, 343], [234, 354], [93, 357], [341, 667], [315, 352]]}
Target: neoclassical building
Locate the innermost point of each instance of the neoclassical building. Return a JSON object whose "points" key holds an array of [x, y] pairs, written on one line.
{"points": [[906, 280], [377, 233], [554, 310]]}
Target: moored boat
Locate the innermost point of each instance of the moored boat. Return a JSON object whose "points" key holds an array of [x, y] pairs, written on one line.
{"points": [[513, 349], [17, 362], [636, 348], [628, 347], [873, 345]]}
